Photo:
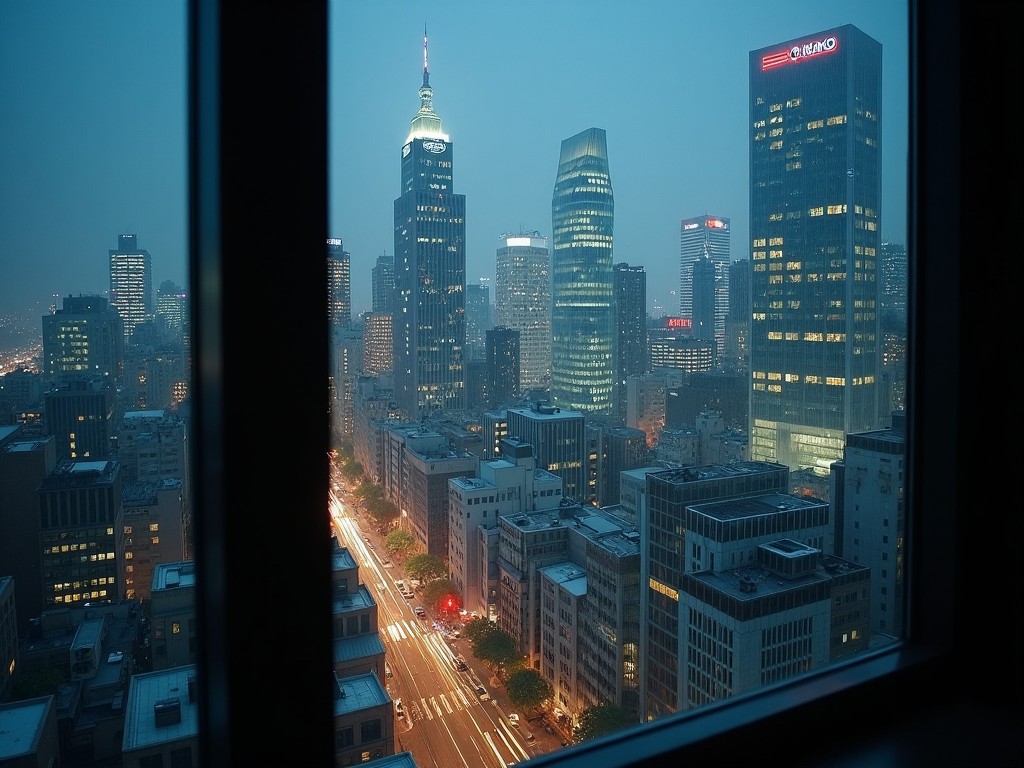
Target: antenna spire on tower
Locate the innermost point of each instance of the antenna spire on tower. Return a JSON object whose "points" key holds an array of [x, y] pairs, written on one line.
{"points": [[426, 71]]}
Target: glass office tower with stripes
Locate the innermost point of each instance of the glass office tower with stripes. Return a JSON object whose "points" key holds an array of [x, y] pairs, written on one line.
{"points": [[815, 219], [582, 317]]}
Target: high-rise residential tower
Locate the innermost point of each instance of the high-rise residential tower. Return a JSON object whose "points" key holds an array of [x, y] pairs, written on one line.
{"points": [[131, 284], [705, 237], [522, 300], [339, 284], [430, 269], [582, 318], [815, 197]]}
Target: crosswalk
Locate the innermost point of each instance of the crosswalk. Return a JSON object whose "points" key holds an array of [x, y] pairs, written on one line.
{"points": [[429, 708]]}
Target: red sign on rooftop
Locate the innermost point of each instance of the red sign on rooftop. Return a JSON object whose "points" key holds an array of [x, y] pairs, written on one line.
{"points": [[798, 53]]}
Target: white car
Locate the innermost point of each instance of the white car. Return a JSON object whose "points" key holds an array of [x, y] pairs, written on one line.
{"points": [[513, 720]]}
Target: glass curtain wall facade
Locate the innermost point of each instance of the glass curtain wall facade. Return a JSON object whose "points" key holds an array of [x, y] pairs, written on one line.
{"points": [[522, 300], [699, 238], [815, 190], [582, 318], [430, 269], [131, 284]]}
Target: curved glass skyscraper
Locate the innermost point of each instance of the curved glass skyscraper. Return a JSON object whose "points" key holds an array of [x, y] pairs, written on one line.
{"points": [[582, 318]]}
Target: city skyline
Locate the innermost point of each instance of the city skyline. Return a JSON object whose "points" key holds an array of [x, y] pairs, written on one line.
{"points": [[99, 149]]}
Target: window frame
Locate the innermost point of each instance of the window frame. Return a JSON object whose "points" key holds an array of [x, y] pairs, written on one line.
{"points": [[258, 207]]}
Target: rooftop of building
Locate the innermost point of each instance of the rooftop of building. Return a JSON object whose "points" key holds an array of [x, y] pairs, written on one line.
{"points": [[353, 600], [174, 575], [358, 692], [397, 760], [755, 506], [716, 471], [756, 581], [21, 726], [80, 474], [362, 646], [569, 576], [162, 707], [341, 557], [27, 445]]}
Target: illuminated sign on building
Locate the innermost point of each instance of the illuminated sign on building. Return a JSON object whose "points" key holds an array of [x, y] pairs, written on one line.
{"points": [[715, 224], [437, 147], [798, 53], [406, 149], [687, 227], [333, 241], [679, 322]]}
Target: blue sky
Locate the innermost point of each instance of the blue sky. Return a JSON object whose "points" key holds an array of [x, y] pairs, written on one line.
{"points": [[92, 128]]}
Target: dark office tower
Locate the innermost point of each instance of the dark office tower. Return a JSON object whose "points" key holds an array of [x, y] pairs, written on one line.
{"points": [[85, 336], [737, 322], [81, 537], [707, 237], [815, 196], [502, 366], [894, 285], [383, 278], [704, 320], [25, 461], [81, 416], [478, 319], [172, 313], [582, 317], [131, 284], [339, 284], [430, 269], [630, 286]]}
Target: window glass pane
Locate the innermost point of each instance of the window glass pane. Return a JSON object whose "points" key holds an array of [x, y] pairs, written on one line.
{"points": [[650, 295], [96, 371]]}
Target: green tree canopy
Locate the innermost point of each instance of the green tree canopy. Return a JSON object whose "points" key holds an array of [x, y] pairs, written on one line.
{"points": [[426, 567], [497, 648], [477, 628], [599, 720], [399, 542], [528, 688], [437, 593]]}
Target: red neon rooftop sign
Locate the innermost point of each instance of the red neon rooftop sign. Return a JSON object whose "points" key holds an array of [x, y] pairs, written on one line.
{"points": [[799, 53]]}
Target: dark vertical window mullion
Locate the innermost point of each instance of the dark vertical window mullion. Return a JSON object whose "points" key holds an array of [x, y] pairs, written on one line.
{"points": [[258, 229]]}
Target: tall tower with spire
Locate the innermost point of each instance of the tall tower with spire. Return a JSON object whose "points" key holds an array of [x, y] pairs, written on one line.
{"points": [[429, 313]]}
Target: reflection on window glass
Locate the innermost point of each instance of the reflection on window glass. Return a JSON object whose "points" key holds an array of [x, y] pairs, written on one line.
{"points": [[618, 350], [95, 381]]}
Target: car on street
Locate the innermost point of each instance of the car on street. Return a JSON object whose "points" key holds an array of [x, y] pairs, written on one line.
{"points": [[513, 720], [418, 610], [399, 709]]}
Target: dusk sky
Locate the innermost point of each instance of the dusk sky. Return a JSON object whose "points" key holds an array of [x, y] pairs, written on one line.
{"points": [[92, 135]]}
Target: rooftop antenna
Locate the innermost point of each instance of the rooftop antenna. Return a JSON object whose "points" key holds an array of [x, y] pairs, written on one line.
{"points": [[426, 71]]}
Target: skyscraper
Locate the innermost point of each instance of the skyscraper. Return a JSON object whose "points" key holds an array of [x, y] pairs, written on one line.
{"points": [[339, 284], [478, 320], [522, 300], [582, 319], [503, 352], [430, 268], [815, 196], [131, 284], [85, 336], [630, 329], [383, 278], [705, 237]]}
